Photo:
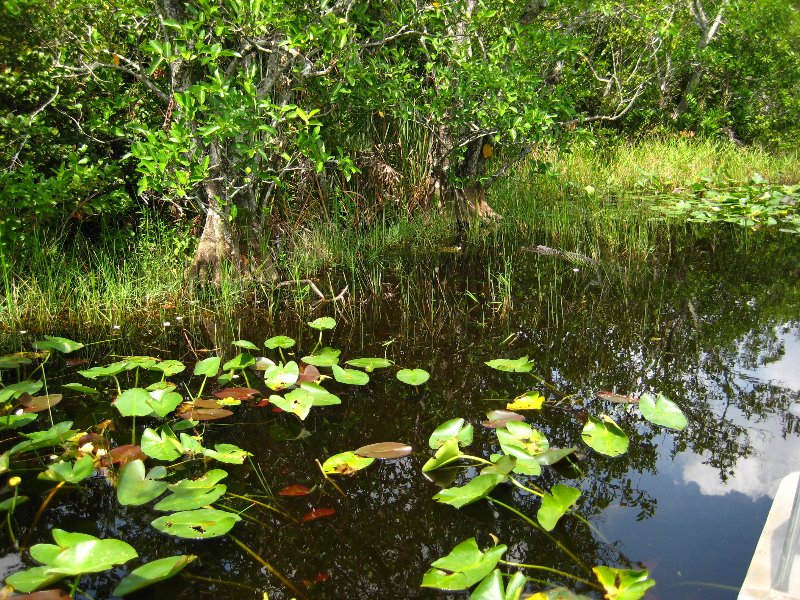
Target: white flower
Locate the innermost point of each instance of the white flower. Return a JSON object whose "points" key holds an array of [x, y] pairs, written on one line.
{"points": [[100, 452], [167, 323], [87, 448]]}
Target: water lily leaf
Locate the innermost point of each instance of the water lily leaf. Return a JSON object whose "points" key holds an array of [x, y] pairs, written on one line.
{"points": [[15, 390], [279, 341], [12, 361], [247, 345], [556, 504], [559, 593], [278, 377], [139, 362], [122, 455], [463, 567], [605, 436], [662, 411], [44, 439], [202, 523], [522, 441], [310, 374], [10, 504], [317, 513], [83, 389], [59, 344], [527, 401], [322, 323], [477, 489], [190, 498], [12, 421], [325, 357], [205, 414], [191, 444], [616, 398], [295, 490], [370, 364], [553, 455], [349, 376], [161, 446], [164, 401], [208, 367], [91, 556], [152, 572], [447, 453], [500, 418], [413, 376], [319, 395], [69, 472], [519, 365], [454, 428], [384, 450], [110, 370], [623, 584], [299, 403], [346, 463], [134, 403], [239, 362], [493, 588], [32, 579], [263, 363], [136, 488], [503, 464], [169, 367], [237, 393], [227, 453]]}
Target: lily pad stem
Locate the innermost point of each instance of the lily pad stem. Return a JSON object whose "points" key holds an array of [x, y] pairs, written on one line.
{"points": [[38, 514], [8, 517], [295, 590], [277, 511], [331, 481], [551, 570], [526, 488]]}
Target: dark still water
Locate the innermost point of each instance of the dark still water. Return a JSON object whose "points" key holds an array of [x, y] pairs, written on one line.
{"points": [[714, 324]]}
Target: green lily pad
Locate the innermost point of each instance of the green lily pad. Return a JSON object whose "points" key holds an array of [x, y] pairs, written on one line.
{"points": [[519, 365], [139, 362], [297, 402], [10, 504], [278, 377], [346, 463], [322, 323], [556, 504], [136, 488], [110, 370], [605, 436], [662, 411], [413, 376], [44, 439], [279, 341], [447, 453], [325, 357], [83, 389], [493, 588], [454, 428], [227, 453], [169, 367], [208, 367], [349, 376], [319, 395], [59, 344], [12, 421], [246, 344], [466, 565], [152, 572], [476, 489], [370, 364], [69, 472], [161, 446], [239, 362], [133, 403], [202, 523], [15, 390], [12, 361], [190, 494], [623, 584]]}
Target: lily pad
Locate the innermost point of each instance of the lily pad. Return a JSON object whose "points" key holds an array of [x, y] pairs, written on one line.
{"points": [[465, 566], [134, 403], [59, 344], [202, 523], [83, 389], [205, 414], [454, 428], [617, 398], [246, 344], [500, 418], [15, 390], [121, 455], [278, 377], [136, 488], [44, 439], [370, 364], [556, 504], [110, 370], [191, 494], [227, 453], [623, 584], [208, 367], [518, 365], [169, 367], [492, 587], [310, 374], [413, 376], [476, 489], [317, 513], [525, 443], [662, 411], [527, 401], [237, 393], [346, 463], [239, 362], [322, 323], [605, 436], [279, 341], [152, 572], [12, 361], [384, 450], [349, 376], [447, 453], [295, 490], [161, 446], [69, 472], [325, 357], [12, 421], [34, 404], [296, 402]]}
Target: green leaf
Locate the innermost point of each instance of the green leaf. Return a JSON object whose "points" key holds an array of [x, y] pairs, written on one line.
{"points": [[519, 365], [279, 341], [12, 421], [134, 402], [83, 389], [10, 504], [319, 395], [110, 370], [413, 376], [322, 323], [15, 390], [463, 567], [92, 556], [278, 377], [454, 428], [5, 462], [169, 367], [525, 443], [136, 488], [227, 453], [32, 579], [163, 402], [152, 572], [60, 344], [492, 588], [197, 524], [477, 489], [556, 504], [45, 439], [623, 584], [12, 361], [662, 411], [190, 497], [69, 472], [296, 402], [247, 345], [325, 357], [370, 364], [161, 446], [208, 367], [346, 463], [605, 436], [350, 376], [447, 453]]}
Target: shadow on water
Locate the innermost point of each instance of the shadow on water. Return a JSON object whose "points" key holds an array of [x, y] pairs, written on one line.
{"points": [[712, 324]]}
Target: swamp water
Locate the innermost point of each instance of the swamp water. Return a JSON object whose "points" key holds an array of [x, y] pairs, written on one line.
{"points": [[713, 324]]}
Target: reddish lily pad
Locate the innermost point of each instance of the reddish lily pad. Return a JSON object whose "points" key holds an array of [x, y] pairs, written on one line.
{"points": [[318, 513], [500, 418], [238, 393], [384, 450], [34, 404], [310, 373], [205, 414], [121, 455], [297, 489]]}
